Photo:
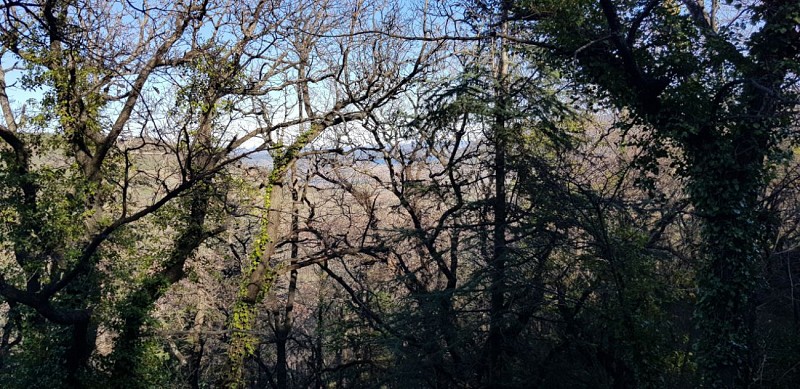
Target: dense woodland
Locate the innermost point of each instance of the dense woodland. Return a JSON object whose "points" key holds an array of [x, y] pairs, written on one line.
{"points": [[415, 194]]}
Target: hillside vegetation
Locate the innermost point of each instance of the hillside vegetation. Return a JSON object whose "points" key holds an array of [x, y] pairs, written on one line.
{"points": [[367, 194]]}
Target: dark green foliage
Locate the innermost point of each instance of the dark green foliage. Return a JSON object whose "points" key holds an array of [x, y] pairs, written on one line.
{"points": [[722, 95]]}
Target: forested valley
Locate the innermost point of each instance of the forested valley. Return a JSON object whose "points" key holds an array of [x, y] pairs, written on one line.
{"points": [[415, 194]]}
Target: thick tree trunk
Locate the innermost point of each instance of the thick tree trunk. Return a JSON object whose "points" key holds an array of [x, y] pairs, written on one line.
{"points": [[77, 356], [140, 303], [726, 182]]}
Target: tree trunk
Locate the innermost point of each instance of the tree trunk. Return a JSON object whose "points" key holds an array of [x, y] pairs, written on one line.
{"points": [[281, 363], [283, 326], [140, 302], [725, 191], [77, 356], [497, 289]]}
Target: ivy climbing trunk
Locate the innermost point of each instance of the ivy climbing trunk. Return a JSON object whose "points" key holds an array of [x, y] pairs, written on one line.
{"points": [[259, 275], [258, 280], [726, 194], [723, 97], [727, 177]]}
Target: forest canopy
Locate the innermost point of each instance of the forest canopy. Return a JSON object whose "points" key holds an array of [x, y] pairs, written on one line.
{"points": [[437, 194]]}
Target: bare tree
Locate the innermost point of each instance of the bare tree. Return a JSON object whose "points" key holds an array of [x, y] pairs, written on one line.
{"points": [[362, 72], [143, 106]]}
